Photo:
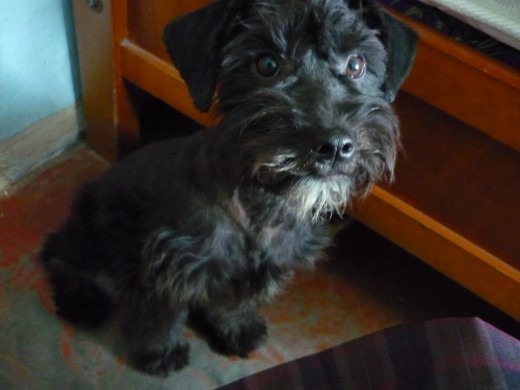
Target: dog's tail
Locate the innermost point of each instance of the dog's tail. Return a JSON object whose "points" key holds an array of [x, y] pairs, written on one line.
{"points": [[81, 297]]}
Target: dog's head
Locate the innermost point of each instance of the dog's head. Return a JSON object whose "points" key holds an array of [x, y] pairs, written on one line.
{"points": [[304, 88]]}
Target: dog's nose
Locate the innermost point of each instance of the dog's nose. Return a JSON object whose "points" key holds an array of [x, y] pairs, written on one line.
{"points": [[334, 150]]}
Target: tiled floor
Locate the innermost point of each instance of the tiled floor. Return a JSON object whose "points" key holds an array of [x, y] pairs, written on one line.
{"points": [[366, 285]]}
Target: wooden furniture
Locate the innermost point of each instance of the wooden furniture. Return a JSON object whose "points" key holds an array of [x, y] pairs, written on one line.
{"points": [[455, 203]]}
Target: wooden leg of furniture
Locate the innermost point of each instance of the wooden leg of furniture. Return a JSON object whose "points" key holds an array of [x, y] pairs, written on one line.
{"points": [[110, 105]]}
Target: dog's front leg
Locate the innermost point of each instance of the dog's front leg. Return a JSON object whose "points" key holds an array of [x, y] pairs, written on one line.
{"points": [[177, 272], [154, 333], [230, 328]]}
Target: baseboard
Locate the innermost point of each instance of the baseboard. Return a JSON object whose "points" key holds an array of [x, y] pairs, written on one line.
{"points": [[34, 146]]}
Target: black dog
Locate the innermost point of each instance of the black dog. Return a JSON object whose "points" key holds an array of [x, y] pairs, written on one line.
{"points": [[205, 228]]}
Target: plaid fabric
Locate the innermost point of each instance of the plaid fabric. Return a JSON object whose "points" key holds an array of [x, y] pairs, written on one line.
{"points": [[453, 353]]}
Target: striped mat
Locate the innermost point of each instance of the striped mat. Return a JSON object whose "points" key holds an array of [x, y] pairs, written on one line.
{"points": [[453, 353]]}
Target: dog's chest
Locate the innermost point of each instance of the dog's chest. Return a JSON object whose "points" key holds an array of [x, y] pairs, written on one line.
{"points": [[273, 237]]}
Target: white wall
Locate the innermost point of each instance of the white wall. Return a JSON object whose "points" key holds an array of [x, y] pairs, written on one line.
{"points": [[38, 62]]}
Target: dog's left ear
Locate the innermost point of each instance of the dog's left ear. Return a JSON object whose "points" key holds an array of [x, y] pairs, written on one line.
{"points": [[400, 42], [194, 41]]}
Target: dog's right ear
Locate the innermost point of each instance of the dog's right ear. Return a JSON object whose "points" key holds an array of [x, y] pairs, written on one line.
{"points": [[194, 41]]}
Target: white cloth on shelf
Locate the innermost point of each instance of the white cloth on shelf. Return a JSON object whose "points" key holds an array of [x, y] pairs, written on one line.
{"points": [[498, 18]]}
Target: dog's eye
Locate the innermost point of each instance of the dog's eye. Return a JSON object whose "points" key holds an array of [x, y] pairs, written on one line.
{"points": [[355, 66], [267, 66]]}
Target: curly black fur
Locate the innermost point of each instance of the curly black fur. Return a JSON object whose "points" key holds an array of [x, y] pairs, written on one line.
{"points": [[203, 229]]}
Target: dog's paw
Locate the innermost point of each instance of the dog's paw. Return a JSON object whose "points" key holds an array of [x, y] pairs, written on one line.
{"points": [[241, 341], [161, 362]]}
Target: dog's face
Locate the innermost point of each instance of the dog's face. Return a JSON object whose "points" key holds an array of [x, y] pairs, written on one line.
{"points": [[304, 87]]}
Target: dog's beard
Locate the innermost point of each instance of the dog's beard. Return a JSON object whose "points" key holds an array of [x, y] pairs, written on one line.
{"points": [[307, 196], [318, 197], [317, 194]]}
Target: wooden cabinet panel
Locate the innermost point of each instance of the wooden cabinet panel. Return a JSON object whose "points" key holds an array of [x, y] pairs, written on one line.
{"points": [[466, 84], [462, 178]]}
